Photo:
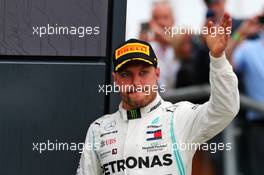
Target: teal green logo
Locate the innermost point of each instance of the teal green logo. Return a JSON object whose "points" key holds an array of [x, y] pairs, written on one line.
{"points": [[155, 121]]}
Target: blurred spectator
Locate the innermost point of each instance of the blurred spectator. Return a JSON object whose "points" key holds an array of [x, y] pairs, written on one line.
{"points": [[216, 9], [162, 17], [248, 61], [247, 29], [183, 49]]}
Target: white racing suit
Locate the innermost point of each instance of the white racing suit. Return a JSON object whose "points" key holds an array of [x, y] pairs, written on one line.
{"points": [[148, 141]]}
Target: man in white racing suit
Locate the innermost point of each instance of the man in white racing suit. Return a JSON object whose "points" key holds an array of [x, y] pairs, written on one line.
{"points": [[143, 136]]}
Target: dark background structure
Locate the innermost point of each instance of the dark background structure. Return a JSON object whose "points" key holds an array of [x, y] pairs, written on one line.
{"points": [[49, 86]]}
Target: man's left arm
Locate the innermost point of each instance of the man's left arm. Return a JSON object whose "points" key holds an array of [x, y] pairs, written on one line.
{"points": [[203, 122]]}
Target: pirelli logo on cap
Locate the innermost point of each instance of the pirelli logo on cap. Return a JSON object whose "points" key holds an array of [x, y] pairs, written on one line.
{"points": [[132, 48]]}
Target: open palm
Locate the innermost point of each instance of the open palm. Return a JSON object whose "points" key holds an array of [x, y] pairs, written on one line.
{"points": [[217, 42]]}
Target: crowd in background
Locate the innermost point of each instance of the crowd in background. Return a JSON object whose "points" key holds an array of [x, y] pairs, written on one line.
{"points": [[184, 61]]}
